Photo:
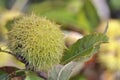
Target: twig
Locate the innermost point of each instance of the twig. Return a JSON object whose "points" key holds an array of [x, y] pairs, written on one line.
{"points": [[42, 75], [22, 59]]}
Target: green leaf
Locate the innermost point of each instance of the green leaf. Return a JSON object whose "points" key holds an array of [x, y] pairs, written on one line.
{"points": [[53, 74], [84, 47], [6, 76], [65, 72], [79, 77], [88, 18], [32, 76], [62, 72], [3, 75]]}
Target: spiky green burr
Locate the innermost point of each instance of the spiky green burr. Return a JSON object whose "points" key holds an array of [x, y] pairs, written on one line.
{"points": [[38, 40]]}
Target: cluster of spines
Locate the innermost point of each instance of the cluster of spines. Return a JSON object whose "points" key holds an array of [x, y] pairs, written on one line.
{"points": [[38, 40]]}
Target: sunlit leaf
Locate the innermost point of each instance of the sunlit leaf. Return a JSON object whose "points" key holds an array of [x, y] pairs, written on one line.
{"points": [[88, 18]]}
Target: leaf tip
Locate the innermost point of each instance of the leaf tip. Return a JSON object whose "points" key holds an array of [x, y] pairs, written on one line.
{"points": [[106, 28]]}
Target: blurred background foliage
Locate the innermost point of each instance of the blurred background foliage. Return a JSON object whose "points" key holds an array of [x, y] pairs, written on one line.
{"points": [[77, 18]]}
